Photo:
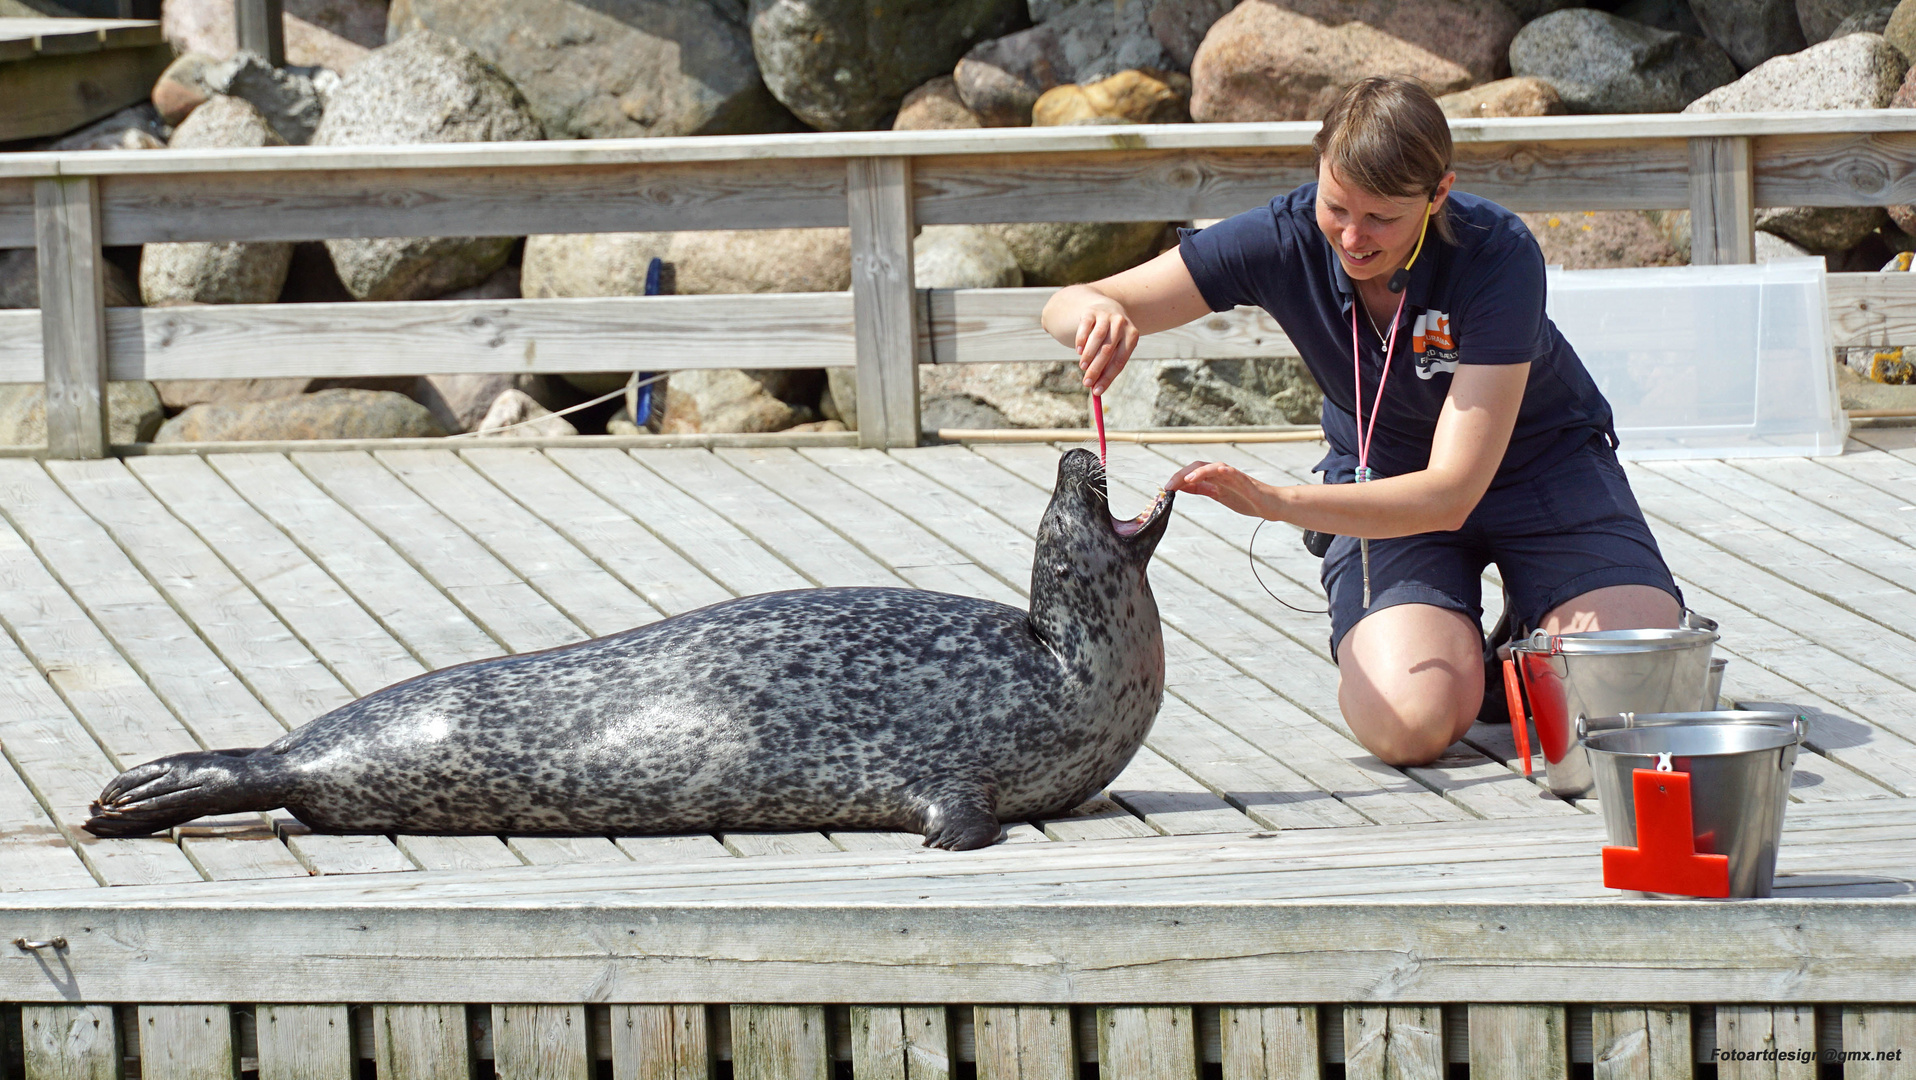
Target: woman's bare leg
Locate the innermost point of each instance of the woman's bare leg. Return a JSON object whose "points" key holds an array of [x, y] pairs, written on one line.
{"points": [[1411, 680], [1618, 607]]}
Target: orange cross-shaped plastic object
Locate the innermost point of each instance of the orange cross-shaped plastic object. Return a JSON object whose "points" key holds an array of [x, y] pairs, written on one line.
{"points": [[1665, 859]]}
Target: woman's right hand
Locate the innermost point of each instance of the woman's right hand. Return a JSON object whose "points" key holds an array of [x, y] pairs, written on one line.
{"points": [[1106, 337]]}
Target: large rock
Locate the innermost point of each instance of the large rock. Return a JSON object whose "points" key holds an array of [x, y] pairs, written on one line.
{"points": [[423, 88], [729, 400], [1672, 15], [178, 394], [136, 127], [1215, 393], [20, 281], [935, 106], [1067, 252], [963, 257], [1133, 97], [460, 402], [1857, 71], [291, 99], [515, 413], [1873, 21], [844, 65], [1021, 395], [1903, 215], [1520, 96], [1819, 19], [607, 69], [1901, 30], [1474, 33], [1180, 25], [1751, 31], [1002, 79], [182, 87], [1602, 64], [1606, 239], [335, 34], [234, 272], [328, 414], [1266, 62], [133, 413], [714, 261]]}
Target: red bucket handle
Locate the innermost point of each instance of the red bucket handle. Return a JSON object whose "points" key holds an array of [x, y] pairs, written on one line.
{"points": [[1513, 697]]}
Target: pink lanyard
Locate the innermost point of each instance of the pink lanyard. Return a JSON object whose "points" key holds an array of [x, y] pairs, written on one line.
{"points": [[1357, 382]]}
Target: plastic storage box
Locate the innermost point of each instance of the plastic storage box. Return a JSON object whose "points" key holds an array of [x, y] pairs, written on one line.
{"points": [[1708, 361]]}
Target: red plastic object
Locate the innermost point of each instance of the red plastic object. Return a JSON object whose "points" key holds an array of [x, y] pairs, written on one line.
{"points": [[1665, 859], [1519, 726], [1097, 413], [1549, 704]]}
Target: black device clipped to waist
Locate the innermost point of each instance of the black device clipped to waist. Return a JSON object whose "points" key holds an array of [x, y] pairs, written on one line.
{"points": [[1317, 543]]}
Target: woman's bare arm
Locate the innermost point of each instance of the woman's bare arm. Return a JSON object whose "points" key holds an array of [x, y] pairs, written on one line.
{"points": [[1102, 320], [1473, 431]]}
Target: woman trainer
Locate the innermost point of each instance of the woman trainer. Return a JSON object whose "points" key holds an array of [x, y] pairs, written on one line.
{"points": [[1477, 433]]}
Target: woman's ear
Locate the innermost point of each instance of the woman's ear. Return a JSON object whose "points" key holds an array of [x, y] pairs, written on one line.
{"points": [[1438, 196]]}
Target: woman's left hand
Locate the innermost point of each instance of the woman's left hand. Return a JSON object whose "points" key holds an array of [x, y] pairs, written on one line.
{"points": [[1229, 485]]}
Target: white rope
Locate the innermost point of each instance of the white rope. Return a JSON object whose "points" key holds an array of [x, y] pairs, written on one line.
{"points": [[630, 385]]}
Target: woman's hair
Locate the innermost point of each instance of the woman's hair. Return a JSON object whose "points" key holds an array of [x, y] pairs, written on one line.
{"points": [[1386, 135]]}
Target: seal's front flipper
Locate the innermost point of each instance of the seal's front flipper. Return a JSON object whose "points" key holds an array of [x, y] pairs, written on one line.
{"points": [[956, 813], [160, 794]]}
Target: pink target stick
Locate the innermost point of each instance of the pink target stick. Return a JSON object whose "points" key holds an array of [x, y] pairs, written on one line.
{"points": [[1097, 414]]}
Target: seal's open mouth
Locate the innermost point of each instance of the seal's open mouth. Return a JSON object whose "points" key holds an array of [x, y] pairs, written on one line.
{"points": [[1130, 527]]}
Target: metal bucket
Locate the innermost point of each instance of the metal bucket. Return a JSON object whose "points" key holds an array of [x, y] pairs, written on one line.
{"points": [[1739, 765], [1606, 673], [1713, 689]]}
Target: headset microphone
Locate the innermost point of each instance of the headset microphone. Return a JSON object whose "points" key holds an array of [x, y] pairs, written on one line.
{"points": [[1401, 278]]}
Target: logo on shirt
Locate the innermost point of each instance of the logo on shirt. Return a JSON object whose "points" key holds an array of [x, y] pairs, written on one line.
{"points": [[1431, 345]]}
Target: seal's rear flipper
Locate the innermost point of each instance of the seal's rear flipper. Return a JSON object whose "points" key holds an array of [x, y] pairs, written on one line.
{"points": [[160, 794], [956, 813]]}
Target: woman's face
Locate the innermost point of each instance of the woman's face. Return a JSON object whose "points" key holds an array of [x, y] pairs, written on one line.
{"points": [[1373, 235]]}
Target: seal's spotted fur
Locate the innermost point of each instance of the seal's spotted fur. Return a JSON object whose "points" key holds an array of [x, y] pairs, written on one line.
{"points": [[816, 709]]}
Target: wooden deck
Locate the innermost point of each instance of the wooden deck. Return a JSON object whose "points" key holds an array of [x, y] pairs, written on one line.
{"points": [[165, 603]]}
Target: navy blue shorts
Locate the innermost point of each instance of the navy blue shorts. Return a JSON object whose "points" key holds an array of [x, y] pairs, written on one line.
{"points": [[1573, 529]]}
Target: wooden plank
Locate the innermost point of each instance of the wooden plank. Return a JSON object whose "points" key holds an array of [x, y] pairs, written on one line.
{"points": [[1519, 1042], [72, 315], [187, 1042], [227, 858], [393, 591], [1629, 1042], [304, 1042], [885, 310], [1147, 1042], [661, 1042], [1885, 1030], [807, 544], [671, 849], [725, 552], [1025, 1042], [1722, 202], [1171, 802], [62, 89], [892, 1043], [421, 1042], [1098, 819], [457, 852], [307, 202], [554, 561], [1272, 1042], [1833, 167], [780, 1042], [260, 30], [34, 853], [323, 854], [70, 1042], [1872, 310], [1762, 1030], [875, 840], [459, 562], [754, 844], [552, 850], [439, 337], [1388, 1042], [540, 1042], [243, 632], [346, 638], [1244, 775], [971, 326]]}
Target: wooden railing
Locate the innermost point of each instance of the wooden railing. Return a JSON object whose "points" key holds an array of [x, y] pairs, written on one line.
{"points": [[881, 184]]}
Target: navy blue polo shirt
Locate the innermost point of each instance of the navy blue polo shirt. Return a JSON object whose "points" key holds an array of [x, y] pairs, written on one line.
{"points": [[1479, 302]]}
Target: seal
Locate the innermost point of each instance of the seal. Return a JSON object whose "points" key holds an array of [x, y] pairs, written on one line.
{"points": [[844, 708]]}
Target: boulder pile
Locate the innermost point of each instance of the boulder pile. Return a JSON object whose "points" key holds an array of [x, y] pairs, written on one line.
{"points": [[378, 72]]}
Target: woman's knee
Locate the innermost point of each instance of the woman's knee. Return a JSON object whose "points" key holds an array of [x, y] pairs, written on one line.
{"points": [[1411, 681]]}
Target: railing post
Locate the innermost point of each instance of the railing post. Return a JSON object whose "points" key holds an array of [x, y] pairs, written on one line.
{"points": [[66, 212], [1722, 201], [884, 304], [260, 29]]}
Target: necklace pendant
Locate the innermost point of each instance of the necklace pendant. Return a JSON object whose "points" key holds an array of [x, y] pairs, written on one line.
{"points": [[1363, 474]]}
